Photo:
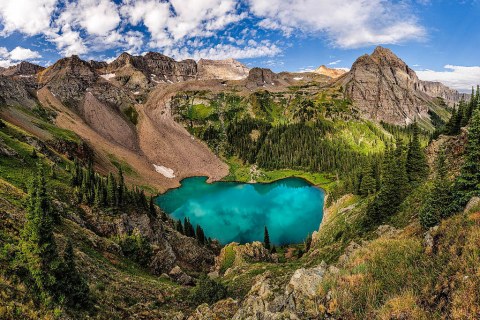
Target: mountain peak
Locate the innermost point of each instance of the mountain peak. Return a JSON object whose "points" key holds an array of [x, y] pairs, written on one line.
{"points": [[23, 68], [329, 72]]}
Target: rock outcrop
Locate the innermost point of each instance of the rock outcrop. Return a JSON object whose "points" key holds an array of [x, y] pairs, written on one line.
{"points": [[300, 299], [258, 77], [68, 79], [384, 88], [15, 93], [24, 68], [235, 255], [228, 69], [221, 310], [329, 72]]}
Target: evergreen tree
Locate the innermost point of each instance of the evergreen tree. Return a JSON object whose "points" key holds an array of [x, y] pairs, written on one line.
{"points": [[2, 124], [188, 228], [151, 208], [37, 242], [400, 173], [416, 166], [111, 190], [393, 190], [468, 183], [179, 227], [438, 204], [34, 155], [121, 186], [73, 285], [266, 239], [200, 235], [368, 182]]}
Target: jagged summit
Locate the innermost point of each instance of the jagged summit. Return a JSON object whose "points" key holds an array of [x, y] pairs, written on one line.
{"points": [[384, 88], [329, 72], [24, 68]]}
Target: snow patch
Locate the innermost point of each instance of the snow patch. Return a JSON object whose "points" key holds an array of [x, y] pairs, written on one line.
{"points": [[167, 172], [136, 93], [108, 76], [298, 78]]}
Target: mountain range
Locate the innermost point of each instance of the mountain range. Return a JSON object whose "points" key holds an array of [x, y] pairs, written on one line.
{"points": [[85, 146]]}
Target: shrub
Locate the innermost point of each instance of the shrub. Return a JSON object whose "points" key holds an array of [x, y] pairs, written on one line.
{"points": [[208, 291]]}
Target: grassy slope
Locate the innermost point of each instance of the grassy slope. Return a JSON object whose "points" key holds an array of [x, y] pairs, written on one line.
{"points": [[118, 285]]}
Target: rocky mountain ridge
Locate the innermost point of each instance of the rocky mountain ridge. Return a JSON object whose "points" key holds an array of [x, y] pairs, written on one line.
{"points": [[385, 88], [329, 72]]}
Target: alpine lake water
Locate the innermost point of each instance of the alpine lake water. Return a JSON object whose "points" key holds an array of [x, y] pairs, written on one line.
{"points": [[291, 208]]}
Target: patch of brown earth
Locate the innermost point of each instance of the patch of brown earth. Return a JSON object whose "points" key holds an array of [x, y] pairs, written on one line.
{"points": [[105, 148]]}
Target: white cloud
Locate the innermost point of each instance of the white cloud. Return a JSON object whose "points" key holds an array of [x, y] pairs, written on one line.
{"points": [[8, 58], [97, 17], [171, 22], [456, 77], [20, 53], [30, 17], [224, 51], [334, 62], [86, 26], [69, 42], [347, 23]]}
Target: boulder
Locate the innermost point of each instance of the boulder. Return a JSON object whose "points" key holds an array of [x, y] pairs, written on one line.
{"points": [[221, 310], [181, 277], [235, 255]]}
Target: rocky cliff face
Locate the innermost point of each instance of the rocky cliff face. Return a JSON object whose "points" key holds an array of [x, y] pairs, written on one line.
{"points": [[228, 69], [69, 79], [439, 90], [329, 72], [384, 88], [258, 77], [154, 68], [15, 93], [24, 68]]}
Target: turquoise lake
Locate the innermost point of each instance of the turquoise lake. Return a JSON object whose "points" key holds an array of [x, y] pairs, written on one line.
{"points": [[229, 211]]}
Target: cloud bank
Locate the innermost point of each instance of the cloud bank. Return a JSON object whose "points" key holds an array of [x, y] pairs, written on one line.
{"points": [[203, 28]]}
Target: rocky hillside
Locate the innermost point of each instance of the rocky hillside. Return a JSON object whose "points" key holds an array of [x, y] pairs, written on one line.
{"points": [[385, 89]]}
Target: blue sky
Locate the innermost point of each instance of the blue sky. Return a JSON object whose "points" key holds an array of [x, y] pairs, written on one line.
{"points": [[439, 39]]}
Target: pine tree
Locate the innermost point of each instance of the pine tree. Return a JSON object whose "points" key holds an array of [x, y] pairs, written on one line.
{"points": [[179, 227], [111, 190], [400, 173], [151, 208], [266, 239], [438, 204], [416, 166], [200, 235], [393, 190], [468, 183], [73, 285], [2, 124], [188, 228], [121, 186], [368, 183], [37, 242]]}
